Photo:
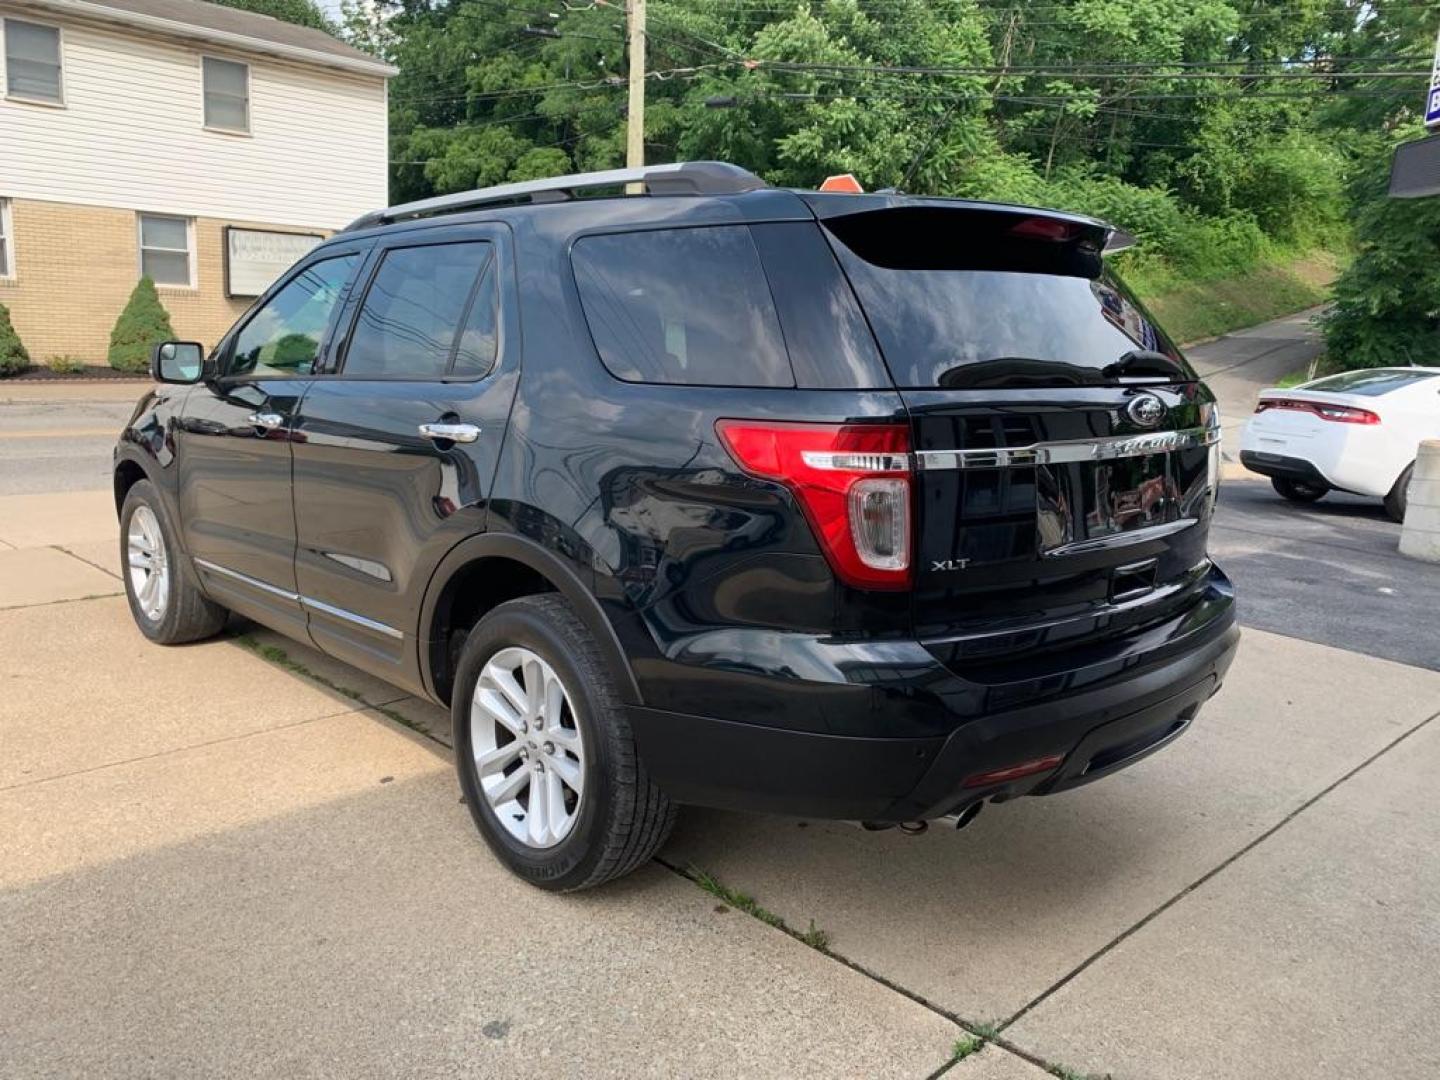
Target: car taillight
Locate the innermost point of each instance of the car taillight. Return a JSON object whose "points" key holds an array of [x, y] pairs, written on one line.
{"points": [[1342, 414], [852, 481]]}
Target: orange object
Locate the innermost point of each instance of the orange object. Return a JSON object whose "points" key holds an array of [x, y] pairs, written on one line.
{"points": [[845, 182]]}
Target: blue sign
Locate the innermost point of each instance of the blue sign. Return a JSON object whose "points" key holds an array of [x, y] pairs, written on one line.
{"points": [[1432, 99]]}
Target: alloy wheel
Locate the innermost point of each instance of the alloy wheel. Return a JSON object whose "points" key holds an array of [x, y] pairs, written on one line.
{"points": [[148, 563], [529, 752]]}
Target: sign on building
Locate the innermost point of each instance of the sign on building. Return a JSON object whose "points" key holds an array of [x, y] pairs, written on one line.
{"points": [[256, 257], [1432, 101]]}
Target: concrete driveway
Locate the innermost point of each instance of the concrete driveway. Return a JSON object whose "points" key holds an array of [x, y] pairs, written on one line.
{"points": [[241, 858]]}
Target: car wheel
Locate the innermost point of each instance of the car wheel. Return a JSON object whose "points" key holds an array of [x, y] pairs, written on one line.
{"points": [[165, 599], [545, 755], [1396, 501], [1300, 491]]}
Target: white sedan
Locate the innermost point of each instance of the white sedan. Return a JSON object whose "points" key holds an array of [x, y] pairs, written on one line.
{"points": [[1357, 431]]}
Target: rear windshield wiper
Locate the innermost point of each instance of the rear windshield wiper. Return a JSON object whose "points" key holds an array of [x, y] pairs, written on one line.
{"points": [[1145, 364]]}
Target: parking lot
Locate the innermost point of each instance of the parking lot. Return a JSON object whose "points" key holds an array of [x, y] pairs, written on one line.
{"points": [[242, 858]]}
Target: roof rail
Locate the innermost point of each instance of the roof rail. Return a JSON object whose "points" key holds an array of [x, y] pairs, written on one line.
{"points": [[681, 178]]}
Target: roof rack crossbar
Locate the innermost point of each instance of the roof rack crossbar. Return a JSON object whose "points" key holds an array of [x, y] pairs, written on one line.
{"points": [[681, 178]]}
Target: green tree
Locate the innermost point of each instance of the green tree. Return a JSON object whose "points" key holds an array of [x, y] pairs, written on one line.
{"points": [[141, 326], [13, 357], [1387, 303]]}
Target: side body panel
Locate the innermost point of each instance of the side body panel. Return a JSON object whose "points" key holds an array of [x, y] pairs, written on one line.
{"points": [[377, 504]]}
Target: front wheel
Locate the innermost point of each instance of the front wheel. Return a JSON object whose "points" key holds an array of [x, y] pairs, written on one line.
{"points": [[1299, 491], [165, 599], [545, 754]]}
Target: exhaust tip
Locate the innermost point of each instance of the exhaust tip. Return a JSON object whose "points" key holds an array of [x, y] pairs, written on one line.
{"points": [[964, 817]]}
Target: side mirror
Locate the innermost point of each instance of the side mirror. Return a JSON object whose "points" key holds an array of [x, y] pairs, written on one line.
{"points": [[177, 361]]}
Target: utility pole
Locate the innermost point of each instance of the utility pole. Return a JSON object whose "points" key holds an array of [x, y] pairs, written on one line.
{"points": [[635, 127]]}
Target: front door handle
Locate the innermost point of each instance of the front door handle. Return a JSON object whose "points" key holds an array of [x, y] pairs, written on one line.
{"points": [[450, 432], [267, 420]]}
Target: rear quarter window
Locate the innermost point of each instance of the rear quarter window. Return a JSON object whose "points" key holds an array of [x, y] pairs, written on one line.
{"points": [[686, 306]]}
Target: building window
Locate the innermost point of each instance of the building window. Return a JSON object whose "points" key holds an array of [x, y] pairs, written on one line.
{"points": [[227, 94], [32, 61], [7, 242], [165, 250]]}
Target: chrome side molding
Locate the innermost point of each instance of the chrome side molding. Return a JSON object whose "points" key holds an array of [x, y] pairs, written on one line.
{"points": [[307, 602], [1109, 448]]}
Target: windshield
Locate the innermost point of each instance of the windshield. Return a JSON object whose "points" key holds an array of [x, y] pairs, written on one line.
{"points": [[988, 305]]}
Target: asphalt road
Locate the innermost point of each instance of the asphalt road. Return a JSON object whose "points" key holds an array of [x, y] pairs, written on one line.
{"points": [[1329, 572], [60, 445], [1239, 365]]}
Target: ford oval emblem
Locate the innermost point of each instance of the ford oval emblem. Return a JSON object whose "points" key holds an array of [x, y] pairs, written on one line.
{"points": [[1145, 410]]}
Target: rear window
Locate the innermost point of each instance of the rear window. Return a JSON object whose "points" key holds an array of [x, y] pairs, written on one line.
{"points": [[1370, 383], [687, 306], [967, 298]]}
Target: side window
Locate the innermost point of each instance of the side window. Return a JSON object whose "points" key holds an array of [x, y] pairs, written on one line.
{"points": [[414, 310], [283, 337], [682, 306], [479, 338]]}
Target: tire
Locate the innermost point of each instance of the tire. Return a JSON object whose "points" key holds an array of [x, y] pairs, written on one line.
{"points": [[619, 817], [183, 613], [1398, 498], [1299, 491]]}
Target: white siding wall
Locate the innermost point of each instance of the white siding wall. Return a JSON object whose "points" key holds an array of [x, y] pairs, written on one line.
{"points": [[131, 135]]}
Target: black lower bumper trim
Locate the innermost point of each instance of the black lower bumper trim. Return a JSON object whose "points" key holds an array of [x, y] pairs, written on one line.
{"points": [[737, 766], [1282, 468]]}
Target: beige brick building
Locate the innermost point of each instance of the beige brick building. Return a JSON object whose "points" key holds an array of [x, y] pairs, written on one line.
{"points": [[205, 146]]}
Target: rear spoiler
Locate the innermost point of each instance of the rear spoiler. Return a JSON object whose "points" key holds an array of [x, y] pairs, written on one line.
{"points": [[1033, 222]]}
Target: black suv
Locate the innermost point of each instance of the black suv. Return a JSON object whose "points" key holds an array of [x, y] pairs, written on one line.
{"points": [[847, 506]]}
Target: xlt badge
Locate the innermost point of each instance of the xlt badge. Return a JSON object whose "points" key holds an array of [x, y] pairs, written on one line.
{"points": [[948, 564]]}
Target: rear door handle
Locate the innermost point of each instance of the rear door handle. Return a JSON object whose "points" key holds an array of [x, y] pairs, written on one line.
{"points": [[267, 420], [450, 432]]}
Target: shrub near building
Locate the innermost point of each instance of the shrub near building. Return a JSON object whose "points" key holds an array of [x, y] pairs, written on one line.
{"points": [[142, 325], [13, 357]]}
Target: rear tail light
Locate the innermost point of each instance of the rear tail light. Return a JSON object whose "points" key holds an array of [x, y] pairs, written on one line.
{"points": [[1343, 414], [851, 480]]}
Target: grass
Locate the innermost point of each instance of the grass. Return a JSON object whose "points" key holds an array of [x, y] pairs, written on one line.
{"points": [[1204, 309], [65, 365], [815, 937], [965, 1046], [280, 658]]}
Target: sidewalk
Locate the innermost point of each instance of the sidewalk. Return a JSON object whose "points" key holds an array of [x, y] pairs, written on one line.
{"points": [[212, 864]]}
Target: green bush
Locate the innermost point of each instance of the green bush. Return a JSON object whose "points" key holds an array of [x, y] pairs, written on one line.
{"points": [[13, 357], [141, 326], [1151, 214], [65, 365], [1293, 188], [1387, 302]]}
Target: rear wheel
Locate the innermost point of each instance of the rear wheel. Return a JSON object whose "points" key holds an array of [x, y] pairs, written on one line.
{"points": [[165, 599], [545, 754], [1398, 498], [1300, 491]]}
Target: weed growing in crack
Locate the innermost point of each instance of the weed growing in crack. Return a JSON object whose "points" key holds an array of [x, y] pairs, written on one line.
{"points": [[965, 1046], [815, 937]]}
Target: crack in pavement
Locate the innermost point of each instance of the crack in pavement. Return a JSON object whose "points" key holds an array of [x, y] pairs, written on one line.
{"points": [[179, 749], [1203, 879], [88, 562], [68, 600]]}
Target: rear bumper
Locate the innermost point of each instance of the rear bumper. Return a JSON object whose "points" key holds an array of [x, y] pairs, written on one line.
{"points": [[1283, 468], [734, 765]]}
